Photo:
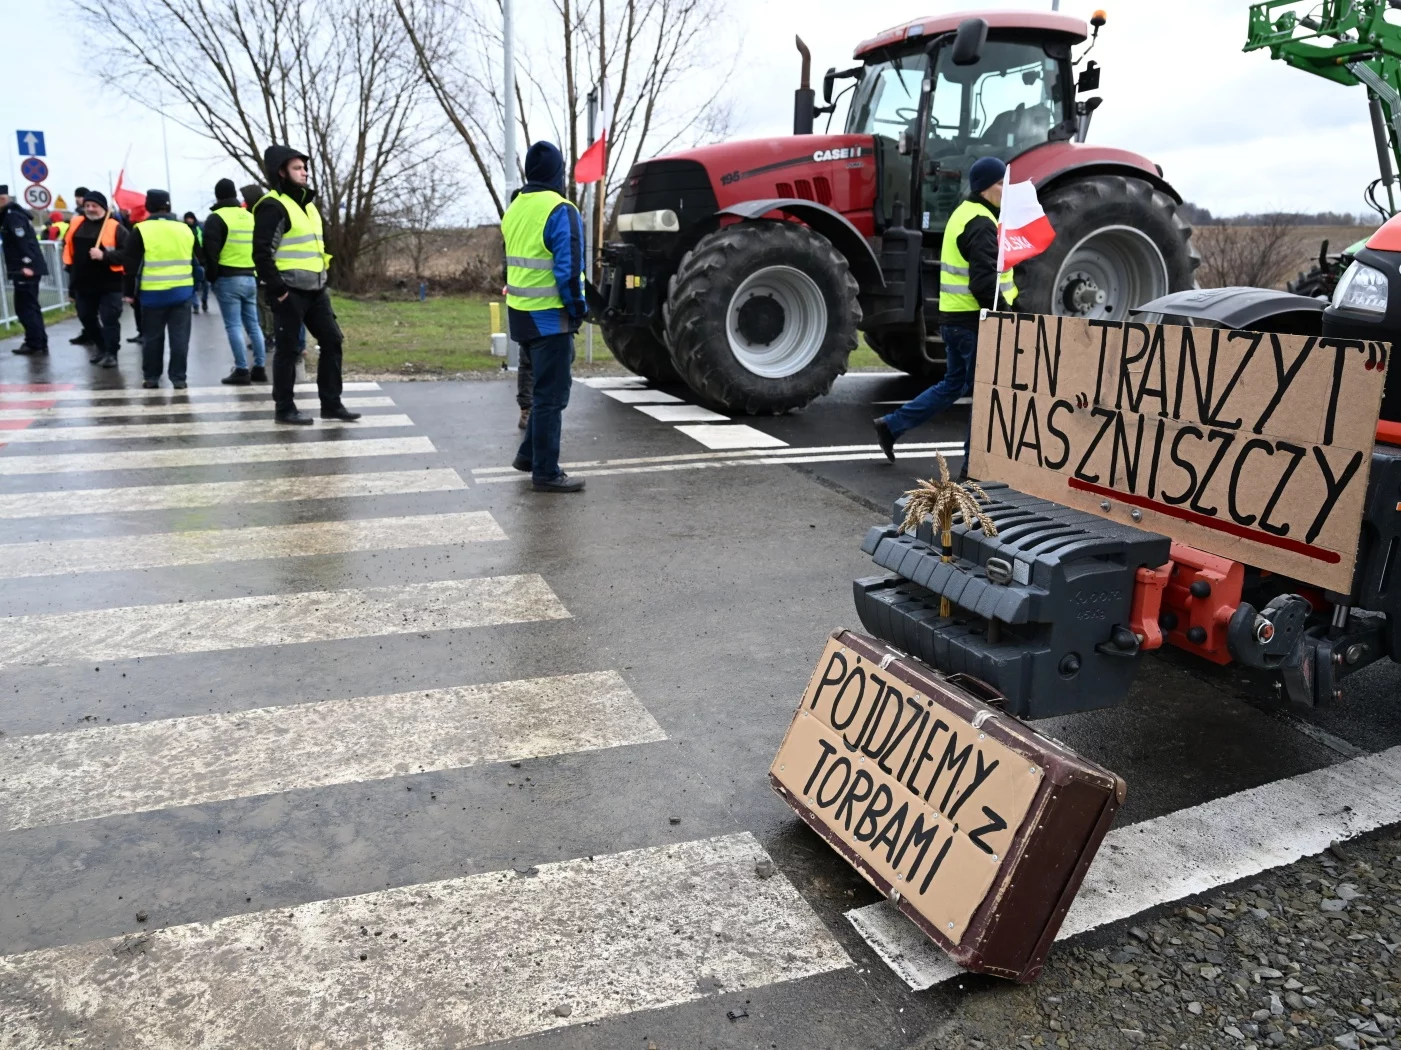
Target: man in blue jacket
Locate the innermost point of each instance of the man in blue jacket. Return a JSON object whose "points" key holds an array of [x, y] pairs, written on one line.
{"points": [[545, 305], [25, 265]]}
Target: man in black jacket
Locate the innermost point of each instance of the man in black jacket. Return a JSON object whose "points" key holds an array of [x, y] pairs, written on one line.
{"points": [[93, 253], [290, 257], [25, 265]]}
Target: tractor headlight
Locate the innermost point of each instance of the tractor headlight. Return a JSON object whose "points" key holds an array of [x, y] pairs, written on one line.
{"points": [[663, 221], [1363, 289]]}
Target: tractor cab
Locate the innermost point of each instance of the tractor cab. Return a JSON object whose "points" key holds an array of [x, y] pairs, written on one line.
{"points": [[1000, 86]]}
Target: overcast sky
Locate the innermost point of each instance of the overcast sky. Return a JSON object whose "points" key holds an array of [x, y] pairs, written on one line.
{"points": [[1233, 132]]}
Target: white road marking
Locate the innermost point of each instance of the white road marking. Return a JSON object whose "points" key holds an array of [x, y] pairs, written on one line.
{"points": [[682, 413], [128, 431], [276, 452], [817, 450], [175, 396], [460, 963], [56, 778], [614, 382], [1187, 852], [252, 543], [274, 619], [260, 406], [731, 435], [210, 494], [629, 395], [960, 401]]}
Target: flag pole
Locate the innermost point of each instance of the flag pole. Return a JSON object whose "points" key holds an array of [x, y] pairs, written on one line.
{"points": [[997, 277], [601, 189]]}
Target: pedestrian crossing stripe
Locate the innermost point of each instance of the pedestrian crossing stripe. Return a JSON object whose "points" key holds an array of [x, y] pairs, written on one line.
{"points": [[130, 431], [10, 393], [185, 408], [296, 449]]}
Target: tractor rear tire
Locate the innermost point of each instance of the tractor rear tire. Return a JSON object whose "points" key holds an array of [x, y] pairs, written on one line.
{"points": [[909, 352], [640, 351], [762, 317], [1119, 243]]}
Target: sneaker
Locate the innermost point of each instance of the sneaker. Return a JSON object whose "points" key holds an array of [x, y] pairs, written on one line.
{"points": [[238, 377], [884, 437], [108, 361], [258, 374], [562, 482]]}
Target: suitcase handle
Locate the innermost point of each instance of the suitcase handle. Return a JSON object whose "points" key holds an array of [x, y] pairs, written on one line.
{"points": [[980, 689]]}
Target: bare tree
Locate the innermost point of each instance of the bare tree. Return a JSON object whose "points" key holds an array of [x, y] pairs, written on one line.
{"points": [[335, 77], [667, 67], [1259, 255], [427, 196]]}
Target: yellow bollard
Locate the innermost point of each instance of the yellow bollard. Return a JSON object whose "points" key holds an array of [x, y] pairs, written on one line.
{"points": [[495, 317]]}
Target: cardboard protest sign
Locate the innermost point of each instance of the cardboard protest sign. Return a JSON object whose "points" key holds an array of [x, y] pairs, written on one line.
{"points": [[1250, 446], [978, 828]]}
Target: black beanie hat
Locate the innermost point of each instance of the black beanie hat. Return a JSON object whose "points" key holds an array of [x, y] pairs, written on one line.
{"points": [[544, 165], [97, 197], [225, 189], [157, 200], [81, 191], [4, 190]]}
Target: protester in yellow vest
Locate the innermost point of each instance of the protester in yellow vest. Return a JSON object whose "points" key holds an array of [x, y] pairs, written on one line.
{"points": [[968, 282], [289, 254], [228, 264], [160, 273], [544, 306]]}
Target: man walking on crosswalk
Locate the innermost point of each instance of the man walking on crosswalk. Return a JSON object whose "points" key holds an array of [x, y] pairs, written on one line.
{"points": [[289, 254]]}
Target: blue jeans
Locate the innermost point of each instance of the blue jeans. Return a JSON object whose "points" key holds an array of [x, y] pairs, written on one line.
{"points": [[238, 305], [961, 347], [550, 358]]}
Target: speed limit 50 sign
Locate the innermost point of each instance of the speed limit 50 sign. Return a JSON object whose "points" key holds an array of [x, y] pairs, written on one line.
{"points": [[37, 196]]}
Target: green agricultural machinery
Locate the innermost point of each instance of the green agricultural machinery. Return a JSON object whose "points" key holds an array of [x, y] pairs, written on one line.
{"points": [[1349, 42]]}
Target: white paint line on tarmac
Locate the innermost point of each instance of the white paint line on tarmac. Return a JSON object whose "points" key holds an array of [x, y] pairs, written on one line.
{"points": [[460, 963], [730, 435], [259, 407], [130, 431], [960, 401], [251, 543], [215, 493], [614, 382], [214, 455], [150, 397], [817, 450], [639, 396], [1186, 852], [682, 413], [274, 619], [57, 778]]}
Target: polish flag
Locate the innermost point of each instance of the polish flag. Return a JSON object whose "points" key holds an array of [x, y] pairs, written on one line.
{"points": [[589, 167], [131, 201], [1024, 232]]}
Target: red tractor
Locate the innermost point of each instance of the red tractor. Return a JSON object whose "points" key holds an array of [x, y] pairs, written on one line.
{"points": [[745, 269]]}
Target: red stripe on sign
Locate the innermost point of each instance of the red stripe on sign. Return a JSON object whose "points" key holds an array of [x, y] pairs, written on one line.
{"points": [[1284, 543]]}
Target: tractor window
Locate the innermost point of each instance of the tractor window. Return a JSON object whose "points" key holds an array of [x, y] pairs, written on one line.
{"points": [[1002, 106], [887, 99]]}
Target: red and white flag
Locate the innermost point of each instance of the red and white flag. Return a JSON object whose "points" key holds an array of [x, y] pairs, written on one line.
{"points": [[1024, 231], [589, 166]]}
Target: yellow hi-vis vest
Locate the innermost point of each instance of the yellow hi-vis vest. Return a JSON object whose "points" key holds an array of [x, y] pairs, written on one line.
{"points": [[530, 277], [955, 295], [168, 244], [302, 247], [237, 252]]}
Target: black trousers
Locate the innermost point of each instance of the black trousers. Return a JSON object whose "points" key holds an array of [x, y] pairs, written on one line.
{"points": [[312, 309], [30, 314], [158, 321], [525, 379], [101, 315]]}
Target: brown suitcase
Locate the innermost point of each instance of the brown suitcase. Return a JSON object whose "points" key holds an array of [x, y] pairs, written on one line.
{"points": [[977, 827]]}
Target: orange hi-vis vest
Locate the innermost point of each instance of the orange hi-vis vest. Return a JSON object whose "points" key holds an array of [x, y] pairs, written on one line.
{"points": [[106, 239]]}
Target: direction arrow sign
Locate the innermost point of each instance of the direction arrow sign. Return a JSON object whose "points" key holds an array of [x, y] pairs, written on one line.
{"points": [[37, 196], [34, 169], [31, 143]]}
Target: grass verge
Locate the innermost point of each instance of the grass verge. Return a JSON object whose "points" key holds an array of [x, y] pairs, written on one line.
{"points": [[51, 318]]}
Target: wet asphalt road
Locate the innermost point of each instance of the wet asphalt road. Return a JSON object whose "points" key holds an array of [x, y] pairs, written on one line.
{"points": [[708, 590]]}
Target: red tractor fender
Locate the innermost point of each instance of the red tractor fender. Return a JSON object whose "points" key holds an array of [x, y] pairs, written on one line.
{"points": [[846, 238], [1052, 163]]}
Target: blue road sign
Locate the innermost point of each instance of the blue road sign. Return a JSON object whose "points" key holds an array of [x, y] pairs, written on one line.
{"points": [[34, 169], [31, 143]]}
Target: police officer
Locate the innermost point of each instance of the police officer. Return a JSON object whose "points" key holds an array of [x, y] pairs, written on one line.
{"points": [[289, 253], [545, 305], [228, 260], [968, 279], [160, 270], [25, 265]]}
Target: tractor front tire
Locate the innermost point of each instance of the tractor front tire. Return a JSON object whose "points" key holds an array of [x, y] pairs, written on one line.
{"points": [[639, 350], [1119, 243], [762, 317]]}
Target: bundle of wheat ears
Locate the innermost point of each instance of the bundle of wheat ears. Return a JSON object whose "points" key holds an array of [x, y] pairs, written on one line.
{"points": [[941, 500]]}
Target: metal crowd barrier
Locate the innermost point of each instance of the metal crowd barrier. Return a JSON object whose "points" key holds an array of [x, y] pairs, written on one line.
{"points": [[53, 289]]}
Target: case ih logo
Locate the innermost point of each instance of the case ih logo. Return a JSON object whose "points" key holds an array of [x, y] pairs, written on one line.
{"points": [[837, 154]]}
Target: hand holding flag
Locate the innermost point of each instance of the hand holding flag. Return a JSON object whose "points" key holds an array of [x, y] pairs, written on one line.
{"points": [[1025, 231]]}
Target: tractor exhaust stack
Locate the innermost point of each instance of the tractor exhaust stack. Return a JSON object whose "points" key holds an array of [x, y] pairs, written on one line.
{"points": [[804, 99]]}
